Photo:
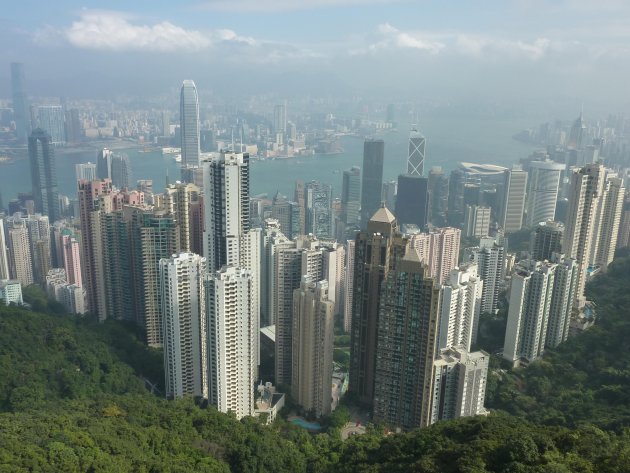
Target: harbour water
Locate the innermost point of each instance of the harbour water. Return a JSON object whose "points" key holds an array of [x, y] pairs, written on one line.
{"points": [[448, 142]]}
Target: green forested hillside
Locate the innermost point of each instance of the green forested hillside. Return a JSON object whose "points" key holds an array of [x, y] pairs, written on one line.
{"points": [[72, 399]]}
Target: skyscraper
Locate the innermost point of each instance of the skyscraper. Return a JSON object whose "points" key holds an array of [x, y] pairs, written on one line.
{"points": [[178, 200], [415, 160], [280, 118], [4, 261], [412, 200], [460, 308], [438, 196], [21, 114], [313, 330], [490, 258], [231, 341], [287, 214], [377, 249], [189, 124], [542, 191], [20, 261], [226, 206], [85, 171], [406, 343], [513, 205], [121, 171], [319, 213], [184, 316], [459, 384], [372, 182], [104, 164], [43, 174], [351, 195], [595, 205], [74, 129], [476, 221], [547, 240], [348, 287], [52, 121], [439, 249]]}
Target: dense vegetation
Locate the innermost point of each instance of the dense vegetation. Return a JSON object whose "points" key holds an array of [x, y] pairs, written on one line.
{"points": [[73, 399]]}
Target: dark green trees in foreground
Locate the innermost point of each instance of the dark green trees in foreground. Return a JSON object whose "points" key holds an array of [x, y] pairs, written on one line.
{"points": [[72, 399]]}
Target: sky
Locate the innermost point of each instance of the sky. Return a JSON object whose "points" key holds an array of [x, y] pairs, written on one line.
{"points": [[528, 52]]}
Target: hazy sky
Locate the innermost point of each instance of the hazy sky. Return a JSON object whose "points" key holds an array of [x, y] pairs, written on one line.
{"points": [[532, 51]]}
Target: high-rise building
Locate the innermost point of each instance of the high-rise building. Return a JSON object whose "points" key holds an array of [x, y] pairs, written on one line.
{"points": [[456, 182], [577, 135], [71, 256], [348, 286], [313, 330], [121, 171], [406, 343], [226, 206], [438, 196], [490, 259], [287, 214], [20, 262], [390, 190], [21, 114], [155, 237], [540, 307], [528, 314], [459, 384], [542, 191], [280, 118], [272, 236], [439, 249], [623, 238], [85, 171], [231, 341], [412, 200], [351, 195], [11, 291], [372, 181], [476, 221], [513, 205], [189, 123], [595, 205], [319, 214], [43, 174], [415, 159], [178, 201], [547, 240], [305, 256], [184, 316], [104, 164], [4, 258], [460, 308], [74, 128], [300, 198], [377, 249], [51, 119]]}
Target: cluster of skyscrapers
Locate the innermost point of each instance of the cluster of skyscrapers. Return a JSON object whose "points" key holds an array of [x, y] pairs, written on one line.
{"points": [[205, 268]]}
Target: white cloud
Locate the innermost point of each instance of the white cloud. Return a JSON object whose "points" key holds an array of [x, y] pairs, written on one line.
{"points": [[481, 46], [285, 5], [389, 37], [114, 31]]}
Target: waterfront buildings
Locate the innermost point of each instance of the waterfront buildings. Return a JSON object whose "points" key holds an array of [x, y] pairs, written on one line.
{"points": [[319, 213], [43, 174], [372, 181], [51, 119], [189, 124], [417, 147]]}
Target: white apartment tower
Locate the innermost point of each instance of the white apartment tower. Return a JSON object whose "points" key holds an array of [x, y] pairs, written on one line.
{"points": [[348, 287], [490, 259], [460, 308], [184, 319], [476, 221], [231, 341], [459, 384], [439, 250], [4, 258], [313, 330]]}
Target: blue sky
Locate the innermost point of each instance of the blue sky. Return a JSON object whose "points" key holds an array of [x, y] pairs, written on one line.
{"points": [[531, 47]]}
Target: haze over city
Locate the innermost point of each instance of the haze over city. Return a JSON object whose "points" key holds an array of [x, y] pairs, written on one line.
{"points": [[548, 56]]}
